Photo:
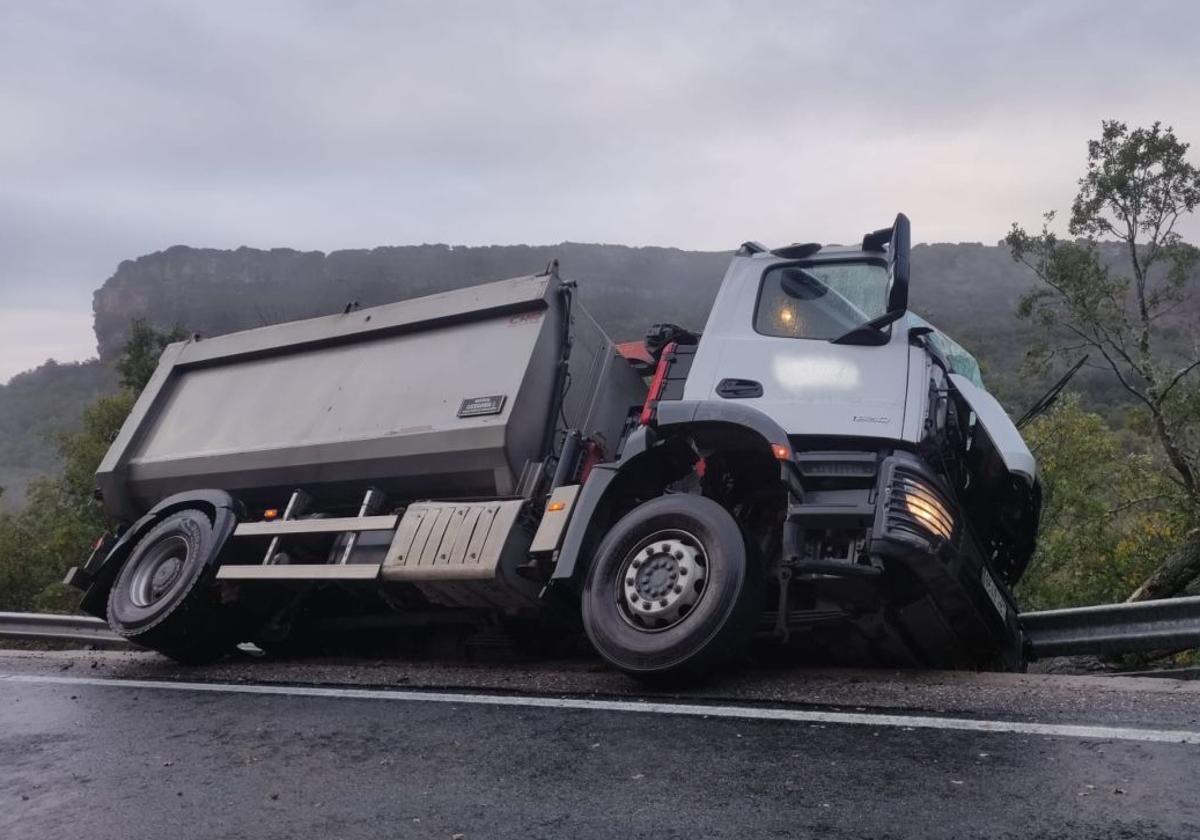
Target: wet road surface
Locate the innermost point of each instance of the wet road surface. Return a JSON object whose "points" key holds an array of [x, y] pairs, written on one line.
{"points": [[91, 745]]}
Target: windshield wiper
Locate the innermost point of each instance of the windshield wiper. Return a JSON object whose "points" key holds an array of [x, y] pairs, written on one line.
{"points": [[871, 333], [1050, 398]]}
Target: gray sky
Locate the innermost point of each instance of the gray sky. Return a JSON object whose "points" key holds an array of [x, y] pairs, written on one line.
{"points": [[129, 127]]}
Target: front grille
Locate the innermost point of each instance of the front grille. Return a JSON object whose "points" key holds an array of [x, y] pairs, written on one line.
{"points": [[915, 507], [837, 469]]}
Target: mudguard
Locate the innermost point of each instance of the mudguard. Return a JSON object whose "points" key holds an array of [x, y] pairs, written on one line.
{"points": [[672, 416], [676, 413], [590, 497], [97, 576]]}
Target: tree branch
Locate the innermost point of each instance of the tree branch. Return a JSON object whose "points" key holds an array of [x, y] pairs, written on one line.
{"points": [[1135, 502], [1175, 380]]}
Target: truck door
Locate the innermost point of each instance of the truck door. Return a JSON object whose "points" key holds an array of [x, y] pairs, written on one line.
{"points": [[770, 342]]}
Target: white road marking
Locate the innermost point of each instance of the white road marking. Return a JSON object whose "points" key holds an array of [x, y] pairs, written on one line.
{"points": [[1060, 730]]}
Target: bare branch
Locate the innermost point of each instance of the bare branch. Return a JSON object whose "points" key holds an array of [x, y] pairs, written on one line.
{"points": [[1175, 380], [1135, 502]]}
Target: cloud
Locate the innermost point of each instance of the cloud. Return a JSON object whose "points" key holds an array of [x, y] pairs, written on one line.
{"points": [[133, 126]]}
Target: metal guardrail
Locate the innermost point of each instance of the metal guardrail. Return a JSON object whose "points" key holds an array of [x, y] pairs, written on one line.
{"points": [[1164, 625], [1168, 624], [63, 628]]}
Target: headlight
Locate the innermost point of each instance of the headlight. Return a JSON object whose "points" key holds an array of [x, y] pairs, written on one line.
{"points": [[915, 505]]}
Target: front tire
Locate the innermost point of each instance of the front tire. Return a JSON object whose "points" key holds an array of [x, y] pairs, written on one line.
{"points": [[671, 591], [163, 597]]}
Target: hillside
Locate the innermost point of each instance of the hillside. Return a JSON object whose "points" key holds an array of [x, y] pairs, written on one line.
{"points": [[970, 290], [36, 407]]}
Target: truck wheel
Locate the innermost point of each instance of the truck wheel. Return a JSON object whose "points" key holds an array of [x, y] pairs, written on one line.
{"points": [[163, 598], [671, 591]]}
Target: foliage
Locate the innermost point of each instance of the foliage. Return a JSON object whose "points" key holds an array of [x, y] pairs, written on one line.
{"points": [[142, 351], [61, 518], [1109, 515]]}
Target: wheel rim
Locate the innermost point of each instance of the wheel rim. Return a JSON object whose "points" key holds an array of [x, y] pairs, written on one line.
{"points": [[661, 580], [157, 571]]}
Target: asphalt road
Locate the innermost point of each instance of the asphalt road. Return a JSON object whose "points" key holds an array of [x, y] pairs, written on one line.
{"points": [[116, 746]]}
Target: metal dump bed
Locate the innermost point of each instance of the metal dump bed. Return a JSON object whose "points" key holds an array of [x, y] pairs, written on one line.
{"points": [[446, 396]]}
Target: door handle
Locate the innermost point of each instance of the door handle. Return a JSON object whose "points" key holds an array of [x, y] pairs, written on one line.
{"points": [[739, 389]]}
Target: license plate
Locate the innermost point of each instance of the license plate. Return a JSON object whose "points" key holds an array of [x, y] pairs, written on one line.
{"points": [[993, 592]]}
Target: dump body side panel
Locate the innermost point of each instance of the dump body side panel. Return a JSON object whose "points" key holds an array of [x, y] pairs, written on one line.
{"points": [[446, 394]]}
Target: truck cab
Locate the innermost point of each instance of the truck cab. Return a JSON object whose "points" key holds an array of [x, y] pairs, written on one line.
{"points": [[820, 340], [890, 501]]}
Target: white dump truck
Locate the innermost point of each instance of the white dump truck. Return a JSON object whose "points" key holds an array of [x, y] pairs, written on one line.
{"points": [[819, 465]]}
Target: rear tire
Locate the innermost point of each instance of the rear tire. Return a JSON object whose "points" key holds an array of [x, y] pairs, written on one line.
{"points": [[672, 592], [164, 598]]}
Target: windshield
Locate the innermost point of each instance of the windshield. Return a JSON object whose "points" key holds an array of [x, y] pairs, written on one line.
{"points": [[956, 356], [822, 301]]}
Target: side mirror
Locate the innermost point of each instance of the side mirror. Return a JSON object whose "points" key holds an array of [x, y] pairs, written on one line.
{"points": [[898, 251], [898, 241], [897, 238]]}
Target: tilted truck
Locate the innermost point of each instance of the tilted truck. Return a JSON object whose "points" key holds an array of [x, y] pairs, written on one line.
{"points": [[818, 464]]}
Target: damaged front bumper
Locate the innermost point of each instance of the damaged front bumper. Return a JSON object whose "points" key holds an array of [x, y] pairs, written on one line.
{"points": [[879, 541]]}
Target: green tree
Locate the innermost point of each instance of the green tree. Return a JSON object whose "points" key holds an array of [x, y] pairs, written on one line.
{"points": [[139, 359], [1137, 186], [1107, 520]]}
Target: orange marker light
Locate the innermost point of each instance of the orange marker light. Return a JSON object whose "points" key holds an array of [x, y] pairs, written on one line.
{"points": [[555, 506], [271, 513], [782, 452]]}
